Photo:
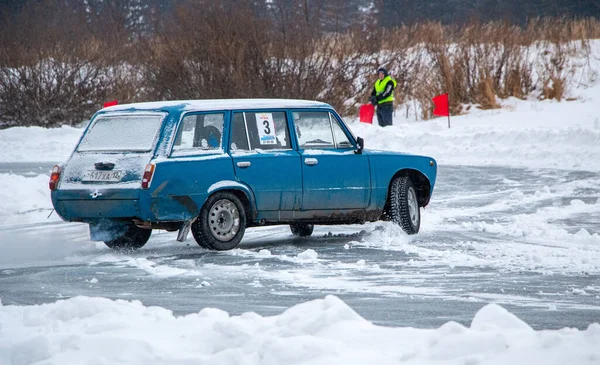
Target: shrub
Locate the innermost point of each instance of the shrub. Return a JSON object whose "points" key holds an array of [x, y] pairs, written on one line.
{"points": [[57, 66]]}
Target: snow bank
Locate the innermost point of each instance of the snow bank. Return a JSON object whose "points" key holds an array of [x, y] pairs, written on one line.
{"points": [[54, 145], [85, 330], [20, 194]]}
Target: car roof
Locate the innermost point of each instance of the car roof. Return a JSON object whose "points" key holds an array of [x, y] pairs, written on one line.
{"points": [[219, 104]]}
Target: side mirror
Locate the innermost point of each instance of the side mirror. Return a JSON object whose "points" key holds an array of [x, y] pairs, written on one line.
{"points": [[361, 145]]}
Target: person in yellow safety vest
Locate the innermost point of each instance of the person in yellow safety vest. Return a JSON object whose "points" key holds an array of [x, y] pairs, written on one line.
{"points": [[383, 97]]}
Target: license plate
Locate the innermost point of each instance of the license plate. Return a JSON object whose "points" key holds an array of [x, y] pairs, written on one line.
{"points": [[96, 175]]}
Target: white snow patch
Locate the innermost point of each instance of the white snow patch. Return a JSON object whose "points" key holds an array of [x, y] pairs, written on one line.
{"points": [[494, 316], [308, 255], [264, 253], [20, 195], [20, 144]]}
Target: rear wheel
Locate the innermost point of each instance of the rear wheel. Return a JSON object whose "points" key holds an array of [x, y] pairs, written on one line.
{"points": [[404, 205], [302, 229], [222, 222], [132, 238]]}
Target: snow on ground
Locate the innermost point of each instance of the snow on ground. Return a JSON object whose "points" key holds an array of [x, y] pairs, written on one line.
{"points": [[23, 194], [85, 330], [20, 144]]}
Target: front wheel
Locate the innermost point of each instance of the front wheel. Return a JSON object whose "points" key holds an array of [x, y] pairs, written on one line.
{"points": [[404, 205], [302, 229], [222, 222], [132, 238]]}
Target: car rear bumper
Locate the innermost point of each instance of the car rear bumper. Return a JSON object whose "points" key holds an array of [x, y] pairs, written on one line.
{"points": [[84, 205], [84, 210]]}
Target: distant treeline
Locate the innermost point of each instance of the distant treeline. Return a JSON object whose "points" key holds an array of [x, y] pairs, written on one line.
{"points": [[392, 13], [60, 60], [340, 15]]}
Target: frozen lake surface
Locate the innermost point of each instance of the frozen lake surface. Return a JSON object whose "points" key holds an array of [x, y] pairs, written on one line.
{"points": [[527, 239]]}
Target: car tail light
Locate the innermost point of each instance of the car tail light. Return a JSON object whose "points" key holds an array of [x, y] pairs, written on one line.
{"points": [[54, 177], [147, 178]]}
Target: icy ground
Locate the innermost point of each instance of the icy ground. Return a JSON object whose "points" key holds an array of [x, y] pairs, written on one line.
{"points": [[514, 221], [525, 239]]}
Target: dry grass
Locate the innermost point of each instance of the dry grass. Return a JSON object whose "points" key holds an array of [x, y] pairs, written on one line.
{"points": [[479, 64]]}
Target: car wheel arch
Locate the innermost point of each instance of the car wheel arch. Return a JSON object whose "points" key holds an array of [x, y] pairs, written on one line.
{"points": [[419, 180], [244, 195], [222, 221]]}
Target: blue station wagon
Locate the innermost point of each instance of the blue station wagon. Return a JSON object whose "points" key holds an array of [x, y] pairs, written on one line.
{"points": [[217, 167]]}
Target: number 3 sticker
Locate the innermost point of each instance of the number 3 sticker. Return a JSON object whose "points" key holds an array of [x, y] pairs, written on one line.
{"points": [[266, 128]]}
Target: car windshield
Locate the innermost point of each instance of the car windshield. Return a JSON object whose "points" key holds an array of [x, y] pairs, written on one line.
{"points": [[135, 132]]}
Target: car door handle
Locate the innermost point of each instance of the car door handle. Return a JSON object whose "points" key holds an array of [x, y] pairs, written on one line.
{"points": [[311, 161], [243, 164]]}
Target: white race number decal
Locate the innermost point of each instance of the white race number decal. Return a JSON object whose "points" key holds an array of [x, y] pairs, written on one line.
{"points": [[266, 128]]}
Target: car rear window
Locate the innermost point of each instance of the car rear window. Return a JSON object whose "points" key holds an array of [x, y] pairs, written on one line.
{"points": [[122, 133]]}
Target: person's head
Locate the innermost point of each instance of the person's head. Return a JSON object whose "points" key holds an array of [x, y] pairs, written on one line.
{"points": [[382, 73]]}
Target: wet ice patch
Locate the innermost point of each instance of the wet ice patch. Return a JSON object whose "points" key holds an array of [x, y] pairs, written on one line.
{"points": [[510, 182], [31, 246], [109, 257], [154, 268], [576, 291]]}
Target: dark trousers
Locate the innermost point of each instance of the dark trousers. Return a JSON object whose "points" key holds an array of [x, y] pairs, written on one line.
{"points": [[384, 113]]}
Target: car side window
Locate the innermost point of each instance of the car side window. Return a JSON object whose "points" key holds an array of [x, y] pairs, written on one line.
{"points": [[313, 130], [264, 131], [340, 137], [199, 133], [239, 135]]}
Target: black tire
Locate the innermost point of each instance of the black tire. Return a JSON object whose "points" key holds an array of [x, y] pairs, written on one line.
{"points": [[221, 223], [133, 238], [404, 205], [302, 229]]}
